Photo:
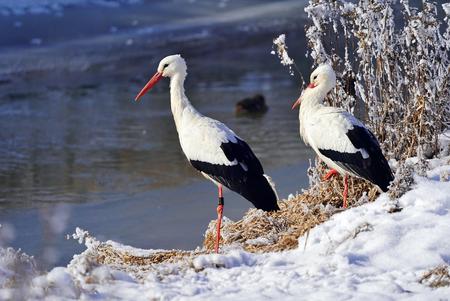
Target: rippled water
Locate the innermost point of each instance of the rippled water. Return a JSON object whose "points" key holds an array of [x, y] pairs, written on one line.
{"points": [[60, 145], [75, 137]]}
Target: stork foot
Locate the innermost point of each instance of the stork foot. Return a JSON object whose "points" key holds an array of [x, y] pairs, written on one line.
{"points": [[329, 174]]}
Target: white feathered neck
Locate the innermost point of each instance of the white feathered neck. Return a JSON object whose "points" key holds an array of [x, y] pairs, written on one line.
{"points": [[311, 104], [179, 103]]}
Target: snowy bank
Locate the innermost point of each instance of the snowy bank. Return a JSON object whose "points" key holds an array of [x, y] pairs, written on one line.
{"points": [[363, 253]]}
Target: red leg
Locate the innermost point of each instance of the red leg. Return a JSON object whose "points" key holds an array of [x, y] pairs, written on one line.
{"points": [[345, 190], [219, 219], [329, 174]]}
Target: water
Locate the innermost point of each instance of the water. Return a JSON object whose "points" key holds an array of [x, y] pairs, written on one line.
{"points": [[77, 151]]}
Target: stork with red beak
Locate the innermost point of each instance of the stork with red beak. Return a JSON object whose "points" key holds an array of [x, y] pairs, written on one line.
{"points": [[211, 147], [340, 140]]}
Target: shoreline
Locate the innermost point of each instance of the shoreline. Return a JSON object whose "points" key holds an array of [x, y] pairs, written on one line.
{"points": [[142, 214], [357, 251]]}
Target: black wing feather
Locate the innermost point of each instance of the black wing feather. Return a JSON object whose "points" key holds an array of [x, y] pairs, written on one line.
{"points": [[243, 154], [249, 182], [375, 168]]}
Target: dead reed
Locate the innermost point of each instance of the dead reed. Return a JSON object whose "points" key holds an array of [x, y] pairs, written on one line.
{"points": [[437, 277], [260, 231]]}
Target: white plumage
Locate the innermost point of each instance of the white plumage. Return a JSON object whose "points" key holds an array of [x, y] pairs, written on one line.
{"points": [[339, 139], [201, 138], [211, 147], [327, 128]]}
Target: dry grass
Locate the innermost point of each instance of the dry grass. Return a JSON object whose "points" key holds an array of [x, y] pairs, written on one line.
{"points": [[141, 266], [107, 254], [260, 231], [437, 277], [257, 231]]}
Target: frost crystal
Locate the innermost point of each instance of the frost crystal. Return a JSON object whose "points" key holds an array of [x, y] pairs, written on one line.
{"points": [[398, 71], [281, 50], [446, 8]]}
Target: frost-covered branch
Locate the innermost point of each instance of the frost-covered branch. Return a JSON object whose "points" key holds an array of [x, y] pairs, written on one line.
{"points": [[279, 48], [399, 69]]}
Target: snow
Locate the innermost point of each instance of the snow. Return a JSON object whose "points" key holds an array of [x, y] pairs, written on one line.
{"points": [[281, 51], [446, 8], [234, 258], [363, 253]]}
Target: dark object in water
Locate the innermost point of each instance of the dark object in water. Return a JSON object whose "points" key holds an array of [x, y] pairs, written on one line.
{"points": [[4, 81], [254, 104]]}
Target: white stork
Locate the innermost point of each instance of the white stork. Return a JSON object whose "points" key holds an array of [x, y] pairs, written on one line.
{"points": [[337, 137], [211, 147]]}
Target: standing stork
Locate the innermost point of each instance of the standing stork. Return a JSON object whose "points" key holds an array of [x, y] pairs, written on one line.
{"points": [[337, 137], [211, 147]]}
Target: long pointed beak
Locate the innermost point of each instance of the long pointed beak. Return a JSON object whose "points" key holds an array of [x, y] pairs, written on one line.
{"points": [[299, 100], [149, 85], [297, 103]]}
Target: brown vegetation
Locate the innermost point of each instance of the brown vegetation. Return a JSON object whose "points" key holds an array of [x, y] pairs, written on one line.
{"points": [[256, 232], [260, 231], [437, 277]]}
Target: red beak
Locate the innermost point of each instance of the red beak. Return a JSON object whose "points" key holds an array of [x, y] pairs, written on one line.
{"points": [[149, 85], [297, 103], [299, 100]]}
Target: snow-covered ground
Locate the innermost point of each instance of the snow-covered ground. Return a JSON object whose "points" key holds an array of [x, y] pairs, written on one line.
{"points": [[364, 253]]}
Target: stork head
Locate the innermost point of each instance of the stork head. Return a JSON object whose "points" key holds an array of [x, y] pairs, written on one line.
{"points": [[321, 81], [323, 78], [169, 66]]}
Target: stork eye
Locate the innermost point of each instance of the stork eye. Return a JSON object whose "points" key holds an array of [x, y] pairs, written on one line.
{"points": [[315, 76], [165, 65]]}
